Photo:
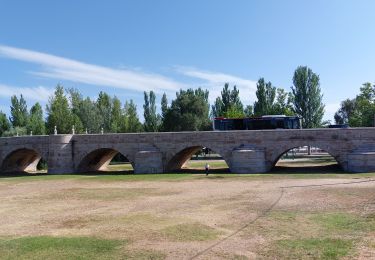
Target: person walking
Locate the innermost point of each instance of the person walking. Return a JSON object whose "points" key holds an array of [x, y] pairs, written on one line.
{"points": [[207, 168]]}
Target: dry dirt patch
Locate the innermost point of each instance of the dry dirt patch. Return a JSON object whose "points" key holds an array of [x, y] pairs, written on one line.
{"points": [[185, 218]]}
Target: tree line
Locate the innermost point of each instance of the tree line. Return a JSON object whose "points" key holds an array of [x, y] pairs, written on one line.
{"points": [[359, 111], [189, 111]]}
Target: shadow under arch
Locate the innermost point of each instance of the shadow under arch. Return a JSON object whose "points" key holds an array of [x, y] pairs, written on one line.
{"points": [[23, 160], [179, 162], [99, 161], [298, 160]]}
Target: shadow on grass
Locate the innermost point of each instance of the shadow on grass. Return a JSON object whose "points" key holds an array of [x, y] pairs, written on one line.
{"points": [[202, 171], [38, 174], [328, 170], [20, 174], [320, 169]]}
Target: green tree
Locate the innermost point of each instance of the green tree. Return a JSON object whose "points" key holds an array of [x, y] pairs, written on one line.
{"points": [[59, 113], [19, 113], [90, 116], [131, 119], [283, 103], [36, 124], [188, 112], [104, 104], [266, 94], [307, 97], [164, 105], [164, 110], [346, 111], [116, 115], [152, 119], [4, 123], [229, 104], [76, 100], [15, 131], [360, 111], [85, 113], [365, 106], [249, 111]]}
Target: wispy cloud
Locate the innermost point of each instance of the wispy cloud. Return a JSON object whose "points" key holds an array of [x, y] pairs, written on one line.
{"points": [[60, 68], [40, 93], [215, 81], [67, 69]]}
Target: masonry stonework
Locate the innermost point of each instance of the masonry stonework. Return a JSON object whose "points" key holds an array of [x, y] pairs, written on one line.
{"points": [[244, 151]]}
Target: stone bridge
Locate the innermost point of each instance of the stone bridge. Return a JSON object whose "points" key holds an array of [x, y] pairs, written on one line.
{"points": [[244, 151]]}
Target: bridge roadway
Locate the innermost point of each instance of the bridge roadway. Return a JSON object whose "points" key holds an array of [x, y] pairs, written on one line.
{"points": [[244, 151]]}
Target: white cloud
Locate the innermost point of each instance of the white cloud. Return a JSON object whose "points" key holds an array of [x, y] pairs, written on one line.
{"points": [[215, 81], [67, 69], [61, 68], [36, 93]]}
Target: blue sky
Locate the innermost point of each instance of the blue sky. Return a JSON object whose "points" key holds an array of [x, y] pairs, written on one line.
{"points": [[127, 47]]}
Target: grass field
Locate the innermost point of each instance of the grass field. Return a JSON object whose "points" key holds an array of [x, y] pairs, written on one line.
{"points": [[286, 214]]}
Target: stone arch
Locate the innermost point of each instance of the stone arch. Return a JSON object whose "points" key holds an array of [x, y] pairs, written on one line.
{"points": [[277, 153], [98, 159], [21, 160], [178, 158]]}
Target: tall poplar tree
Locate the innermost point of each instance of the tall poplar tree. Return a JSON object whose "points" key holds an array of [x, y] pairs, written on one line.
{"points": [[228, 104], [76, 100], [104, 104], [164, 105], [152, 119], [131, 120], [58, 113], [307, 97], [90, 116], [36, 124], [266, 94], [116, 115], [19, 113]]}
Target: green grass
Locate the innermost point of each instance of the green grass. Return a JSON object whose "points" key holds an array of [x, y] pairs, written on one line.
{"points": [[344, 223], [106, 176], [120, 167], [113, 176], [46, 247], [308, 235], [202, 164], [190, 232], [312, 248]]}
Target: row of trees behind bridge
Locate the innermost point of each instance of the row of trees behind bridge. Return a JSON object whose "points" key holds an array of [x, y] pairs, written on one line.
{"points": [[189, 111]]}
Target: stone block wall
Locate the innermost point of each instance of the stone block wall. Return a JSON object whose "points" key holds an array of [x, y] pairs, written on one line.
{"points": [[244, 151]]}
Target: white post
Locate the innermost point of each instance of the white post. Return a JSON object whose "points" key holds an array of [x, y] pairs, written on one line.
{"points": [[55, 131], [73, 130], [31, 133], [102, 131]]}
